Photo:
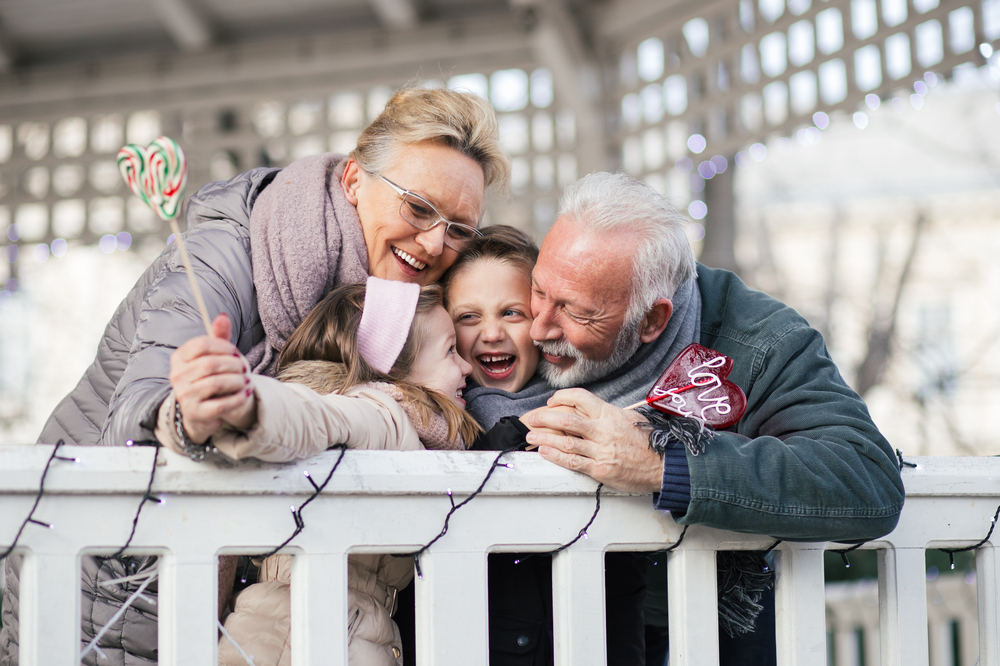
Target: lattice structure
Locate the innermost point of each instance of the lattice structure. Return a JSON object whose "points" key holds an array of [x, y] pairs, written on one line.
{"points": [[232, 111], [687, 88], [699, 84]]}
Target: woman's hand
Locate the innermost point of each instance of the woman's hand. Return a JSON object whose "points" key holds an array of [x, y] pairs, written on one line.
{"points": [[211, 382]]}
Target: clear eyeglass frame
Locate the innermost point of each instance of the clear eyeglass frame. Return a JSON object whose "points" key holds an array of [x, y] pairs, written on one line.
{"points": [[456, 234]]}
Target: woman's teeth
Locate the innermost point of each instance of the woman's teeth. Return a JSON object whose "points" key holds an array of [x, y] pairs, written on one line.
{"points": [[410, 259]]}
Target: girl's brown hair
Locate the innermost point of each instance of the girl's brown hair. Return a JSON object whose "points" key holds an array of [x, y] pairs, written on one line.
{"points": [[330, 333], [500, 243]]}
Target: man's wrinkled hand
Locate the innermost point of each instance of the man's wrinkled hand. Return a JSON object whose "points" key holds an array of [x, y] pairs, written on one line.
{"points": [[599, 440]]}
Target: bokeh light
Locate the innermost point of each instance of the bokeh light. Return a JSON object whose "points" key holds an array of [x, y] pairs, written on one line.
{"points": [[698, 210], [41, 252], [123, 240], [59, 247], [696, 143], [108, 243], [861, 119], [758, 151]]}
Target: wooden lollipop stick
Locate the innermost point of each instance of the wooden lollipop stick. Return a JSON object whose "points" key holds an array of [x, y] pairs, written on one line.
{"points": [[190, 273], [638, 404], [157, 174]]}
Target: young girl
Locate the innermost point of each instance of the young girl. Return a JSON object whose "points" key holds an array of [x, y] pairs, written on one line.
{"points": [[382, 372], [488, 294]]}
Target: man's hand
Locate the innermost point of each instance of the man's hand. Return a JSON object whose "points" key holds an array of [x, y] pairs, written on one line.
{"points": [[601, 441], [211, 381]]}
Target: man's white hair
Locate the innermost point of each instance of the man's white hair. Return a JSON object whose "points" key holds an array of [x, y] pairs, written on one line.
{"points": [[613, 202]]}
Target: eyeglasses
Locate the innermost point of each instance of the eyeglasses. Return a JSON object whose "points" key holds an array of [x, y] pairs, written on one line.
{"points": [[422, 214]]}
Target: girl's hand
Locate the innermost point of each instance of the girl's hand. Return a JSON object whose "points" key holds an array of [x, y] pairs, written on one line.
{"points": [[211, 382]]}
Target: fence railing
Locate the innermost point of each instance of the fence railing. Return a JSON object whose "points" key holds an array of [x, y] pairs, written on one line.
{"points": [[396, 502]]}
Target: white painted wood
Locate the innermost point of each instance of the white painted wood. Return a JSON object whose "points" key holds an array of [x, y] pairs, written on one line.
{"points": [[902, 590], [451, 608], [188, 609], [393, 502], [319, 609], [987, 576], [800, 617], [50, 609], [692, 595], [578, 613]]}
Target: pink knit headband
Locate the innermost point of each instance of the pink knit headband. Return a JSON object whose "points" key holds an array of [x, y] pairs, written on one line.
{"points": [[385, 321]]}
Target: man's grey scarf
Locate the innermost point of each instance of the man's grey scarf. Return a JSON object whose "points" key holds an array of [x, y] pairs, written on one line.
{"points": [[625, 386]]}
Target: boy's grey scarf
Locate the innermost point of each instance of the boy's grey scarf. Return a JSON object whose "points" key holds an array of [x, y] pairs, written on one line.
{"points": [[625, 386], [305, 239]]}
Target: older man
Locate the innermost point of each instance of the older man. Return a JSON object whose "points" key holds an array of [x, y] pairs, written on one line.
{"points": [[616, 295]]}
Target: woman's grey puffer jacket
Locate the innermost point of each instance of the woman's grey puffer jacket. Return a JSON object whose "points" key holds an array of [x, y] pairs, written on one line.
{"points": [[128, 380]]}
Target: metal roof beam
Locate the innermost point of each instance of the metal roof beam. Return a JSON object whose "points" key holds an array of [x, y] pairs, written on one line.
{"points": [[558, 43], [185, 24], [396, 13]]}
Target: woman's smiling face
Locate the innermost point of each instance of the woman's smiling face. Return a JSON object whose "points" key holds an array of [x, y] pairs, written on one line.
{"points": [[449, 180], [490, 303]]}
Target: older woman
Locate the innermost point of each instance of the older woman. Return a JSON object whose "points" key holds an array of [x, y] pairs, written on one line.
{"points": [[269, 243], [266, 246]]}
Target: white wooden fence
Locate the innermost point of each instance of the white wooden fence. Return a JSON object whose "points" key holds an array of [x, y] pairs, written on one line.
{"points": [[395, 502]]}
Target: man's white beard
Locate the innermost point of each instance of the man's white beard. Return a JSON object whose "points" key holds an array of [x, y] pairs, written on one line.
{"points": [[585, 370]]}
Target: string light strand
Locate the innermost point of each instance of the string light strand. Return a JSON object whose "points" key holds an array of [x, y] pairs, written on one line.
{"points": [[843, 553], [297, 513], [146, 497], [903, 463], [454, 507], [38, 498], [583, 532], [951, 551]]}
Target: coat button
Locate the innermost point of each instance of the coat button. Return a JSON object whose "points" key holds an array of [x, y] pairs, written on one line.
{"points": [[396, 652], [523, 640]]}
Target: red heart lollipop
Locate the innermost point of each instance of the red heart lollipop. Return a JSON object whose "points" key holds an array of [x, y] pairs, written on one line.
{"points": [[695, 385]]}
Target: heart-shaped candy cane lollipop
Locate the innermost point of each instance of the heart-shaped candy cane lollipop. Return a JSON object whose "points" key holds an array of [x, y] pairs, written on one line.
{"points": [[695, 385], [156, 174]]}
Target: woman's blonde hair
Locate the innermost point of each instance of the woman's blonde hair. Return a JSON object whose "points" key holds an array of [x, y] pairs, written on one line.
{"points": [[330, 333], [460, 120]]}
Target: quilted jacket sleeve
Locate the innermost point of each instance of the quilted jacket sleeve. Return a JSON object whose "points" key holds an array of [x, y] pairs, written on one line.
{"points": [[295, 422], [166, 315]]}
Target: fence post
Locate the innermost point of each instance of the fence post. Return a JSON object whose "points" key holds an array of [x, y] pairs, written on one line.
{"points": [[902, 602], [987, 579], [188, 606], [578, 612], [49, 620], [452, 609], [692, 603], [319, 608], [800, 615]]}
